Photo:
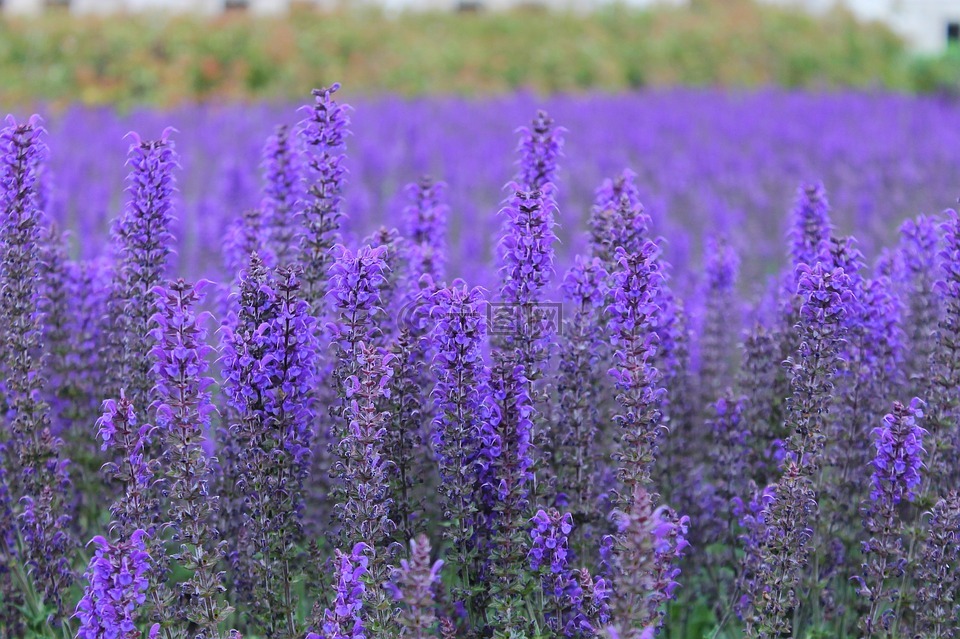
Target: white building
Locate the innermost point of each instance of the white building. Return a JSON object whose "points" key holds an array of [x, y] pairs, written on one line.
{"points": [[927, 25]]}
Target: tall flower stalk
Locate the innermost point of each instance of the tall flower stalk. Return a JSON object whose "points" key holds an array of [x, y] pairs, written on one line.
{"points": [[461, 408], [648, 542], [918, 250], [896, 478], [721, 324], [791, 513], [282, 167], [944, 404], [576, 434], [935, 572], [507, 478], [425, 227], [364, 505], [323, 132], [268, 355], [36, 470], [117, 584], [523, 323], [183, 407], [143, 246], [540, 147], [632, 317], [414, 587]]}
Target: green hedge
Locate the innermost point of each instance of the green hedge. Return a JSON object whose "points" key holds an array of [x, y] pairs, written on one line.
{"points": [[163, 59]]}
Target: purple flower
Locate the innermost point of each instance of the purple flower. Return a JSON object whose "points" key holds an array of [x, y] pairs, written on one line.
{"points": [[184, 408], [617, 219], [826, 301], [648, 542], [540, 146], [269, 362], [915, 275], [282, 195], [323, 132], [414, 584], [461, 408], [580, 387], [143, 245], [810, 224], [244, 237], [343, 620], [526, 256], [119, 430], [363, 491], [117, 583], [632, 318], [36, 470], [899, 444], [721, 321], [935, 570], [355, 280], [425, 221]]}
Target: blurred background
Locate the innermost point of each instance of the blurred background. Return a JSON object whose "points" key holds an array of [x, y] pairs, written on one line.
{"points": [[166, 52]]}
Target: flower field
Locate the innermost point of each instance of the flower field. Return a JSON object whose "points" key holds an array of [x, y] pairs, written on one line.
{"points": [[679, 364]]}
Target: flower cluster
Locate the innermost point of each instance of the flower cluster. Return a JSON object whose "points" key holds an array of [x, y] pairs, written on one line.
{"points": [[944, 375], [720, 321], [119, 428], [143, 245], [917, 273], [936, 574], [183, 407], [540, 147], [461, 406], [536, 463], [323, 133], [364, 505], [649, 541], [343, 620], [117, 586], [426, 227], [268, 356], [632, 316], [899, 443], [577, 602], [526, 256], [282, 167], [355, 280], [414, 584], [810, 224], [618, 219], [580, 387], [37, 471]]}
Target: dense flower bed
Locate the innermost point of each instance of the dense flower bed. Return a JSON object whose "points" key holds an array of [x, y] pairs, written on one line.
{"points": [[266, 426]]}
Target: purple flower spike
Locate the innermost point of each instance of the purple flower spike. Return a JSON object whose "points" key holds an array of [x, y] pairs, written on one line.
{"points": [[36, 471], [899, 444], [648, 543], [344, 620], [426, 227], [461, 408], [414, 586], [618, 219], [184, 409], [143, 246], [540, 147], [526, 265], [810, 224], [323, 133], [282, 196], [632, 318], [118, 579]]}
